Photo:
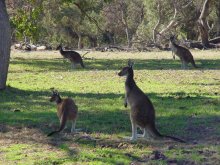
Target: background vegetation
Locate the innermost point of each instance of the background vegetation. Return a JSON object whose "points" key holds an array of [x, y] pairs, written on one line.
{"points": [[91, 23]]}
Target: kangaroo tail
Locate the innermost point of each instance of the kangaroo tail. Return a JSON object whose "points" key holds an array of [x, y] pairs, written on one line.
{"points": [[62, 125], [82, 64], [156, 133], [83, 56], [174, 138], [194, 64]]}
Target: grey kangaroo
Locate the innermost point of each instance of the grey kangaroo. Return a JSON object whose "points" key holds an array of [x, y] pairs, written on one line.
{"points": [[66, 110], [73, 56], [184, 54], [142, 111]]}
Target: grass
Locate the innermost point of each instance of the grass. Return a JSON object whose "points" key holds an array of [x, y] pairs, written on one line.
{"points": [[186, 101]]}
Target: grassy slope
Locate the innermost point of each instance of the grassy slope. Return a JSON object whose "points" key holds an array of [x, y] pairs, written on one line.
{"points": [[186, 102]]}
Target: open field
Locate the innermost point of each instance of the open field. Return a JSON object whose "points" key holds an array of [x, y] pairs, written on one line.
{"points": [[187, 104]]}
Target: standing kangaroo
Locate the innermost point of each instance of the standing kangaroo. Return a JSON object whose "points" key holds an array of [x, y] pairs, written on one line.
{"points": [[66, 110], [184, 54], [142, 111], [73, 56]]}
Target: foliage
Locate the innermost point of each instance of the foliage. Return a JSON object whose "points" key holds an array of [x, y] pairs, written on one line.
{"points": [[87, 22], [26, 21], [69, 21]]}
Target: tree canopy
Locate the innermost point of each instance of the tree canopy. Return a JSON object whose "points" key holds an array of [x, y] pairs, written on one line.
{"points": [[90, 23]]}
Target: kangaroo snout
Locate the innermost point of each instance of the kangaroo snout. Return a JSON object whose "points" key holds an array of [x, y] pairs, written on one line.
{"points": [[119, 74]]}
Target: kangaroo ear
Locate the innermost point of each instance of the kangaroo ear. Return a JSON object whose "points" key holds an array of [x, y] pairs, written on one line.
{"points": [[130, 63], [56, 92], [52, 90]]}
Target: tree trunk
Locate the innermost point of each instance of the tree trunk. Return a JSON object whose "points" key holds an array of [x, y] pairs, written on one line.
{"points": [[5, 43], [79, 40], [128, 37], [202, 24], [218, 17], [155, 30], [124, 21], [215, 40], [92, 41]]}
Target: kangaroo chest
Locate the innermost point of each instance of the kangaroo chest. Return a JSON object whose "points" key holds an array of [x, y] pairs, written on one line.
{"points": [[131, 96], [174, 48], [59, 110]]}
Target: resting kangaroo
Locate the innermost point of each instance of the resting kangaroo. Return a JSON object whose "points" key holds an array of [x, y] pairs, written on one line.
{"points": [[66, 110], [73, 56], [183, 53], [142, 111]]}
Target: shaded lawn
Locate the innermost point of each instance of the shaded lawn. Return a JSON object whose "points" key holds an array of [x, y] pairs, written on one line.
{"points": [[60, 65], [171, 106]]}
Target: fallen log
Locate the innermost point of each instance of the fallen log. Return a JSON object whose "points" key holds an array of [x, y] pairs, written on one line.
{"points": [[215, 40]]}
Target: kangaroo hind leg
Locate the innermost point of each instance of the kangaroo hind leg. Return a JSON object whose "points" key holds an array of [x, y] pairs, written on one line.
{"points": [[134, 131], [73, 129], [145, 134]]}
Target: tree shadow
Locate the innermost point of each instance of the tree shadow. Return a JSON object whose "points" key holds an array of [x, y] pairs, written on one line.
{"points": [[36, 65], [95, 118], [183, 120]]}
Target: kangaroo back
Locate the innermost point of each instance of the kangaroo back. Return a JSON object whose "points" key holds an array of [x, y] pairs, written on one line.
{"points": [[73, 56], [183, 53]]}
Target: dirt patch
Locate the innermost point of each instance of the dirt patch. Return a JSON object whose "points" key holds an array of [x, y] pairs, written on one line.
{"points": [[205, 131], [160, 149]]}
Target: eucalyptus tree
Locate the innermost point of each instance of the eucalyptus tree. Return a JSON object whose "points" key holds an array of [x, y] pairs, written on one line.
{"points": [[68, 21], [124, 17], [5, 43], [25, 19]]}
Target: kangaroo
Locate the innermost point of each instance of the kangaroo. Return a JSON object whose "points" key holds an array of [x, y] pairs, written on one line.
{"points": [[73, 56], [142, 110], [66, 110], [184, 54]]}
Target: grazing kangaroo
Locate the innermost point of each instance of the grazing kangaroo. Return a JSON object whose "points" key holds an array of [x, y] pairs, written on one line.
{"points": [[142, 111], [66, 110], [73, 56], [184, 54]]}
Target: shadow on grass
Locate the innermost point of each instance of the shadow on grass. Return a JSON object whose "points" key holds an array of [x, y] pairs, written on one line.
{"points": [[101, 120], [106, 64], [182, 122]]}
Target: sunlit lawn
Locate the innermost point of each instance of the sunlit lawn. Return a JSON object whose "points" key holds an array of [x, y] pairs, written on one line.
{"points": [[187, 105]]}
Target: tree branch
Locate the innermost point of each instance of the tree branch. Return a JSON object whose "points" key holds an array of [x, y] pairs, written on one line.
{"points": [[89, 17]]}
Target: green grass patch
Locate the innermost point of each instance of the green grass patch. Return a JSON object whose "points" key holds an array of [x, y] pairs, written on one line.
{"points": [[186, 102]]}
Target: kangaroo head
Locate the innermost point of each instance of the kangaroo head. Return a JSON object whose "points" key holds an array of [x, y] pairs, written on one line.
{"points": [[59, 47], [55, 96], [172, 38], [126, 70]]}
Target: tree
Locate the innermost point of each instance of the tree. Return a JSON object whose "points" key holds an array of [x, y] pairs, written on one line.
{"points": [[5, 43], [202, 24], [25, 16], [124, 17], [72, 22], [178, 16], [218, 17]]}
